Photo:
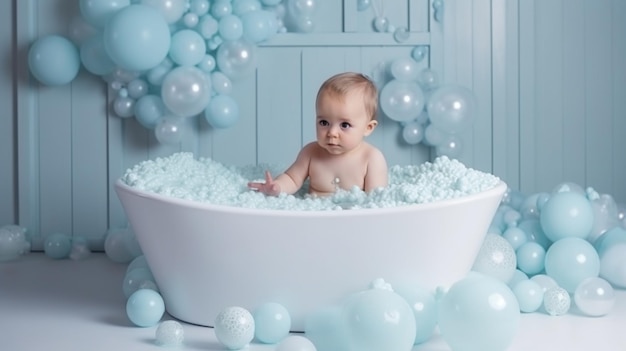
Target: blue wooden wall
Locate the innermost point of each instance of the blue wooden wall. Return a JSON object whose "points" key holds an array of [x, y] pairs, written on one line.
{"points": [[548, 76]]}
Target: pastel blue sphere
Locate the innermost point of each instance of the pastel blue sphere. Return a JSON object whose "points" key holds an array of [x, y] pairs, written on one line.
{"points": [[529, 295], [570, 261], [145, 308], [531, 258], [57, 245], [566, 214], [272, 323], [54, 60]]}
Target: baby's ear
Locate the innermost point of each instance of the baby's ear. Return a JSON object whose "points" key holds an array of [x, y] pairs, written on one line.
{"points": [[371, 125]]}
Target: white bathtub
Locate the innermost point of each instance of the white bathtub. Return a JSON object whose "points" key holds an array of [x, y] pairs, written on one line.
{"points": [[206, 257]]}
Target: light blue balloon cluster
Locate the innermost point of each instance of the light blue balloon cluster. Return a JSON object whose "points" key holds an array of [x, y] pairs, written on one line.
{"points": [[168, 59], [429, 113], [569, 244]]}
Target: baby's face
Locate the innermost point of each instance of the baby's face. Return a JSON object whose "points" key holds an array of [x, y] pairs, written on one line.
{"points": [[342, 122]]}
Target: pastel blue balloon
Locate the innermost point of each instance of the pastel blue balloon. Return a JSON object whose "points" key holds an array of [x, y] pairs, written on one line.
{"points": [[419, 52], [221, 8], [222, 112], [479, 313], [137, 37], [137, 262], [379, 319], [428, 79], [207, 26], [137, 88], [451, 146], [570, 261], [424, 306], [170, 10], [451, 108], [611, 248], [236, 59], [169, 130], [515, 236], [496, 258], [362, 5], [531, 258], [57, 245], [296, 343], [186, 91], [529, 295], [271, 323], [149, 110], [534, 232], [97, 12], [326, 329], [404, 68], [241, 7], [259, 25], [271, 2], [566, 214], [53, 60], [594, 297], [13, 243], [187, 47], [207, 64], [230, 27], [433, 136], [124, 106], [402, 101], [518, 276], [221, 83], [94, 56], [413, 133], [145, 308], [136, 279], [199, 7]]}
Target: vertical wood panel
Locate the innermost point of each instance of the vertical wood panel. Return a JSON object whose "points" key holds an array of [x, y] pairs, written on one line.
{"points": [[598, 82], [527, 96], [8, 205], [618, 51]]}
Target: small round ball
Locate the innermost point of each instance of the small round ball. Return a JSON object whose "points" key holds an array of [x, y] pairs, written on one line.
{"points": [[496, 258], [145, 307], [531, 258], [169, 333], [58, 245], [234, 327], [272, 323], [556, 301], [529, 295], [594, 297], [570, 261], [546, 282], [566, 214], [296, 343]]}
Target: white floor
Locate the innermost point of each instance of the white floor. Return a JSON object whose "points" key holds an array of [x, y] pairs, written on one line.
{"points": [[79, 305]]}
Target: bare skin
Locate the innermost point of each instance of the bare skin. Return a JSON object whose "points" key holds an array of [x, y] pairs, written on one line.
{"points": [[340, 158]]}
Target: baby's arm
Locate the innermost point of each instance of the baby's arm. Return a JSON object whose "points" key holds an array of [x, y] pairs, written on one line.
{"points": [[288, 182], [377, 173]]}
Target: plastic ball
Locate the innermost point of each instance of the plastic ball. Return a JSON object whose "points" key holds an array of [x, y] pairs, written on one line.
{"points": [[556, 301], [570, 261], [169, 130], [419, 52], [13, 243], [531, 258], [384, 312], [137, 37], [566, 214], [186, 91], [54, 60], [402, 101], [296, 343], [169, 333], [451, 108], [404, 69], [236, 59], [401, 34], [479, 313], [57, 245], [380, 24], [594, 297], [97, 12], [529, 295], [424, 305], [234, 327], [272, 323], [496, 258], [412, 133], [145, 308], [222, 112], [187, 47]]}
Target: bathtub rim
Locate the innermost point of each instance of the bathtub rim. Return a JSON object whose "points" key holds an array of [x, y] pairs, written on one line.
{"points": [[498, 190]]}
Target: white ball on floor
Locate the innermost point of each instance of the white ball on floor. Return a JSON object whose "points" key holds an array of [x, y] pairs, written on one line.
{"points": [[296, 343], [234, 327], [169, 333]]}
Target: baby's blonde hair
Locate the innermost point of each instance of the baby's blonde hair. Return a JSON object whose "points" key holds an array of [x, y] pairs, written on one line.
{"points": [[340, 84]]}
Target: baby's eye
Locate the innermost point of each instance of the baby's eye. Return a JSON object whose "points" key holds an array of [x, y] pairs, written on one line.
{"points": [[345, 125], [323, 123]]}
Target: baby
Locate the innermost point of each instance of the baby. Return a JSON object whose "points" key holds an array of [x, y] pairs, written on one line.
{"points": [[346, 107]]}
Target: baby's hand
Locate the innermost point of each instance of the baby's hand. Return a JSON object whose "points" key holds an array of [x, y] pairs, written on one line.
{"points": [[270, 187]]}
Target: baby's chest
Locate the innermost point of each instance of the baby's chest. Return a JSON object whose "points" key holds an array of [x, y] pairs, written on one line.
{"points": [[327, 176]]}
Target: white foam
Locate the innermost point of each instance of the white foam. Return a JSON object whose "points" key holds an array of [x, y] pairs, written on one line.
{"points": [[205, 180]]}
